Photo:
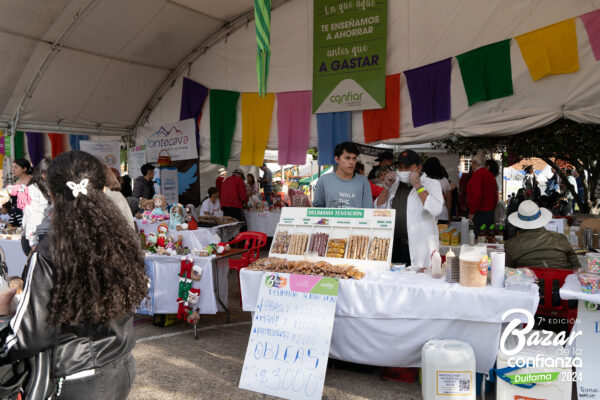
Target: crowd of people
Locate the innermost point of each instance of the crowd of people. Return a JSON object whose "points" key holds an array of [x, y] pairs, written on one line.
{"points": [[423, 197]]}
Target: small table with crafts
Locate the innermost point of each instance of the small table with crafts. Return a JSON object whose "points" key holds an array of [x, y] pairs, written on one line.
{"points": [[584, 288], [196, 239]]}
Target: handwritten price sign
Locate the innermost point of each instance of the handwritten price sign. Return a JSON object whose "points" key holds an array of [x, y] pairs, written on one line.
{"points": [[291, 333]]}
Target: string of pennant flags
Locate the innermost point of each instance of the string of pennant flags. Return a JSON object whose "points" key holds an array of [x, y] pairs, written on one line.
{"points": [[486, 74]]}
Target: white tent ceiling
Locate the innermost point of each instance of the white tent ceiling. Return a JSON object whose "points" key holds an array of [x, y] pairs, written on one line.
{"points": [[103, 66], [94, 65]]}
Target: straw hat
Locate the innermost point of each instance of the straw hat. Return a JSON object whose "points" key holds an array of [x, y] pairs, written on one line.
{"points": [[530, 216]]}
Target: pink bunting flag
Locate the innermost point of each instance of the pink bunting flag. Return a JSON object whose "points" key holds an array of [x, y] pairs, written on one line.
{"points": [[591, 21]]}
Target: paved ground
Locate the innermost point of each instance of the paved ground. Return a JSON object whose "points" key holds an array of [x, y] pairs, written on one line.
{"points": [[172, 365]]}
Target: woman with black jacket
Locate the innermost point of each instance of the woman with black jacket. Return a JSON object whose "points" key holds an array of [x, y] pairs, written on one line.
{"points": [[83, 282]]}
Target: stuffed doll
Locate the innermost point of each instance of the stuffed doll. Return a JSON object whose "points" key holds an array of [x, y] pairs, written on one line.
{"points": [[177, 218], [147, 205], [22, 193], [159, 213], [196, 272], [190, 217], [152, 238], [162, 231], [179, 244], [170, 242], [194, 316]]}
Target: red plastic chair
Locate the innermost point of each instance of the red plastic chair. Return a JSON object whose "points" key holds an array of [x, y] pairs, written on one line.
{"points": [[253, 241], [550, 280]]}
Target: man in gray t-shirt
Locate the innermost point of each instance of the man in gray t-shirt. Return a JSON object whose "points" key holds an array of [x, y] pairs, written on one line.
{"points": [[343, 188]]}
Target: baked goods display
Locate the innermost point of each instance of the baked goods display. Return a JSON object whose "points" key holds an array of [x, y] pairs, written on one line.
{"points": [[336, 248], [321, 268], [318, 243], [357, 247], [379, 249], [281, 243], [298, 244]]}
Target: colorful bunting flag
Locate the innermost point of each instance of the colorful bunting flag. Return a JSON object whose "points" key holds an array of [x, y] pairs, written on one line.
{"points": [[75, 139], [384, 123], [35, 147], [223, 113], [591, 21], [18, 145], [486, 72], [332, 129], [193, 96], [56, 144], [429, 89], [257, 113], [262, 19], [293, 126], [550, 50]]}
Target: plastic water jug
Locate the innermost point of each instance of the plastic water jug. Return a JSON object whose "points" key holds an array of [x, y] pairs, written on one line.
{"points": [[448, 370]]}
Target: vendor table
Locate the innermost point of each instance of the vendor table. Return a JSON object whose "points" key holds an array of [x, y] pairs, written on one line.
{"points": [[263, 221], [15, 258], [164, 271], [199, 238], [385, 318]]}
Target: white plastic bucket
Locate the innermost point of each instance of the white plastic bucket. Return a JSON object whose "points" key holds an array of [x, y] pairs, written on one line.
{"points": [[448, 370]]}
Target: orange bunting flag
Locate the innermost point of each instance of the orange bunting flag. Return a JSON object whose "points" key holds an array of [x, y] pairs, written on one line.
{"points": [[550, 50]]}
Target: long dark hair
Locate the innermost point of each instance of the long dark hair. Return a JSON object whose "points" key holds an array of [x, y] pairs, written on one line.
{"points": [[434, 169], [38, 177], [24, 163], [98, 263]]}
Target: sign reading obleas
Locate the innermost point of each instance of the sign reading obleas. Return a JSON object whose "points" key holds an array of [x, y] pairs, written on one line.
{"points": [[289, 345], [349, 55]]}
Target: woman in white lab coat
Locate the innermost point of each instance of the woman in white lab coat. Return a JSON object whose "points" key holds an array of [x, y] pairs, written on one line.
{"points": [[423, 202]]}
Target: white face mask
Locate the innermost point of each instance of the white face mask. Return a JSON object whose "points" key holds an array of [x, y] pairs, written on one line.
{"points": [[404, 176]]}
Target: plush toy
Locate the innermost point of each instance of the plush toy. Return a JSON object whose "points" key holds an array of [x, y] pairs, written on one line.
{"points": [[147, 205], [193, 296], [162, 231], [187, 263], [179, 244], [177, 218], [142, 239], [159, 213], [190, 217], [152, 238], [170, 243], [22, 193]]}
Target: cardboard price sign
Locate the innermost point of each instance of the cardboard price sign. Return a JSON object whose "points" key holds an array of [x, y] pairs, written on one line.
{"points": [[289, 345]]}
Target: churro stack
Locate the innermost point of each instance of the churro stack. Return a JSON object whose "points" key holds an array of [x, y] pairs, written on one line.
{"points": [[379, 249]]}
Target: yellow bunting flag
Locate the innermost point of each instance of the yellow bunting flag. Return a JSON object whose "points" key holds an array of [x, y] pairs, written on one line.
{"points": [[257, 113], [550, 50]]}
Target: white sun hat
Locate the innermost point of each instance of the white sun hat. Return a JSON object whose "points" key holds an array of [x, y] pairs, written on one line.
{"points": [[530, 216]]}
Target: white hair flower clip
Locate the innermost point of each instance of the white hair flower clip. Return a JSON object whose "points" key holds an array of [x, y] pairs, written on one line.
{"points": [[78, 188]]}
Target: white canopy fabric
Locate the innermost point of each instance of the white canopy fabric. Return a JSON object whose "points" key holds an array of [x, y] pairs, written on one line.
{"points": [[102, 66]]}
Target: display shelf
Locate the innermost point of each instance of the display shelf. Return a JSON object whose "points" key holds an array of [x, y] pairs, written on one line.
{"points": [[368, 235]]}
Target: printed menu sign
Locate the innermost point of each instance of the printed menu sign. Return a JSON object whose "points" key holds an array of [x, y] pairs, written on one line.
{"points": [[349, 55], [288, 347]]}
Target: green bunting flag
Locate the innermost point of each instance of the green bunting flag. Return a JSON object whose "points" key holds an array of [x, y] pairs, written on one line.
{"points": [[486, 72], [262, 18]]}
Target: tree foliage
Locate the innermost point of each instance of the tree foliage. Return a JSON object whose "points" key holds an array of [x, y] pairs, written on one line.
{"points": [[564, 140]]}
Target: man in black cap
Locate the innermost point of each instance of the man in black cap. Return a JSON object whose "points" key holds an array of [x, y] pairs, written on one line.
{"points": [[385, 159], [418, 201]]}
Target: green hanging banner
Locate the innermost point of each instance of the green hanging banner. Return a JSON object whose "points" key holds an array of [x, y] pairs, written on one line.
{"points": [[349, 55], [18, 145], [262, 18]]}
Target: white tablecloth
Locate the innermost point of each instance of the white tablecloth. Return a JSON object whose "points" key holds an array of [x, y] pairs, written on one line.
{"points": [[265, 222], [197, 239], [166, 284], [385, 318], [15, 258], [571, 290]]}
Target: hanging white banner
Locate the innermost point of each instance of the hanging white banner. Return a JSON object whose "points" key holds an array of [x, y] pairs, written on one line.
{"points": [[107, 152], [178, 140]]}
